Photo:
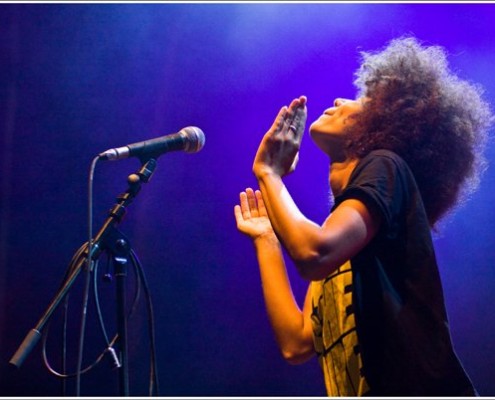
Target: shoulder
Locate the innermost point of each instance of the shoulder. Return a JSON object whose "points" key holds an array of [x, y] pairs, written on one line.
{"points": [[383, 181], [383, 166], [382, 157]]}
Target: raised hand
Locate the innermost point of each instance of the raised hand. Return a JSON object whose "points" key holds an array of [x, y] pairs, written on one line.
{"points": [[278, 150], [251, 216]]}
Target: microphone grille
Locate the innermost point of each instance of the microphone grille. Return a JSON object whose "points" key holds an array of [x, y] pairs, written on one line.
{"points": [[195, 139]]}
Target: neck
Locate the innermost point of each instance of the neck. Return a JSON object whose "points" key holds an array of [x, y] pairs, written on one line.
{"points": [[340, 172]]}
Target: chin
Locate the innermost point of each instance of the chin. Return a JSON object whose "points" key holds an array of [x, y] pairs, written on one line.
{"points": [[319, 128], [317, 133], [316, 138], [313, 127]]}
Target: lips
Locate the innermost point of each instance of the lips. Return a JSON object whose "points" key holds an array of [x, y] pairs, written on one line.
{"points": [[330, 111]]}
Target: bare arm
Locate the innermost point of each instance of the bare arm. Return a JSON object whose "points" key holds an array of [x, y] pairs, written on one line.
{"points": [[316, 250], [291, 325]]}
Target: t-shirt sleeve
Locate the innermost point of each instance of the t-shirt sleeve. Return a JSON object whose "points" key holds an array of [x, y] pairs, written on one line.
{"points": [[379, 182]]}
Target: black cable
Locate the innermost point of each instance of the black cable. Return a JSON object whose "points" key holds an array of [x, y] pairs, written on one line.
{"points": [[59, 374], [110, 343], [63, 374], [140, 279], [87, 281], [70, 269], [82, 332], [154, 383], [98, 308], [64, 343]]}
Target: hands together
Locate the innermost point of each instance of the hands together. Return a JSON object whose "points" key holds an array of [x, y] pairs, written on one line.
{"points": [[278, 154], [278, 150]]}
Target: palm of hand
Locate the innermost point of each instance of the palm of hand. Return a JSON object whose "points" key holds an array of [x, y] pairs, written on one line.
{"points": [[251, 216], [255, 226]]}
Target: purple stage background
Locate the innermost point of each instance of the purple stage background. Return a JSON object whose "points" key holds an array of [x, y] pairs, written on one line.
{"points": [[77, 79]]}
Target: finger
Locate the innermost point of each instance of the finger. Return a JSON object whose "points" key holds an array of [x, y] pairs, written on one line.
{"points": [[295, 105], [278, 124], [246, 214], [298, 122], [287, 125], [296, 114], [253, 206], [261, 204], [238, 215]]}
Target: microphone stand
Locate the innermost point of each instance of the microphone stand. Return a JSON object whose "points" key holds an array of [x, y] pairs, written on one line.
{"points": [[109, 239]]}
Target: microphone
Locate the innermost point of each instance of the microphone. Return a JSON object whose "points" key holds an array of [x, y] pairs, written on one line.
{"points": [[190, 139]]}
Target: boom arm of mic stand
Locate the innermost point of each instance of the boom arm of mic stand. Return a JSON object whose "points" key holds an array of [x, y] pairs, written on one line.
{"points": [[115, 216]]}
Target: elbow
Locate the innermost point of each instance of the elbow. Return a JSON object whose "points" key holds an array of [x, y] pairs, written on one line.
{"points": [[297, 348], [297, 357], [312, 265]]}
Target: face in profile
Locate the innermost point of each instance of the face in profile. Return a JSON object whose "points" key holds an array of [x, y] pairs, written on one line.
{"points": [[329, 130]]}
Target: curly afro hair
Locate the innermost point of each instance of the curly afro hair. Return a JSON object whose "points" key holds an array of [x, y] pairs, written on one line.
{"points": [[417, 108]]}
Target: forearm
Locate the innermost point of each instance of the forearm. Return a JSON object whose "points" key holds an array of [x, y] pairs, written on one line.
{"points": [[317, 250], [287, 319], [302, 238]]}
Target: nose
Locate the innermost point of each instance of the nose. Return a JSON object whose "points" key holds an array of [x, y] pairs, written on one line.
{"points": [[339, 101]]}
